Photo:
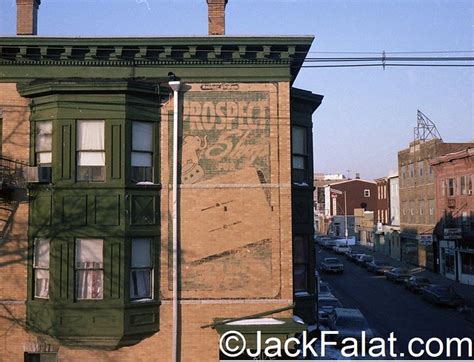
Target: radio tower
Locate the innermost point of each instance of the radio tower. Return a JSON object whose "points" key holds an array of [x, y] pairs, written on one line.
{"points": [[425, 129]]}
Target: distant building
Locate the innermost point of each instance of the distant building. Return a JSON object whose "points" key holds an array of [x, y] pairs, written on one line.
{"points": [[417, 200], [359, 194], [454, 176], [382, 213], [392, 229], [321, 209]]}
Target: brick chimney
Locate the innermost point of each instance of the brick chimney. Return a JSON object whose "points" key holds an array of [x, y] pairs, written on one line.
{"points": [[216, 15], [27, 16]]}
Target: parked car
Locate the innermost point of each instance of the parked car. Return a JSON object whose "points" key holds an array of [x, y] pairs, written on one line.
{"points": [[349, 323], [442, 295], [341, 248], [416, 284], [324, 290], [363, 259], [352, 255], [326, 305], [328, 243], [332, 265], [397, 274], [378, 266]]}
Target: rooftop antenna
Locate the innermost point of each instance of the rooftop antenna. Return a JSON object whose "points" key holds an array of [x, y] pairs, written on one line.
{"points": [[425, 129]]}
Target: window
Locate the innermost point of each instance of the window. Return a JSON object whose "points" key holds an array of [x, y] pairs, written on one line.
{"points": [[142, 152], [41, 268], [421, 204], [300, 264], [90, 151], [89, 269], [469, 185], [40, 357], [451, 186], [420, 168], [300, 153], [467, 263], [366, 193], [141, 270], [43, 143], [404, 172], [463, 185], [412, 170], [443, 187]]}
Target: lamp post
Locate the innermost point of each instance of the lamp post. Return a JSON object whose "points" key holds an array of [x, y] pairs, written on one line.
{"points": [[175, 85]]}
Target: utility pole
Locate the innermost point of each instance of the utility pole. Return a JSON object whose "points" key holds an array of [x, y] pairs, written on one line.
{"points": [[345, 216]]}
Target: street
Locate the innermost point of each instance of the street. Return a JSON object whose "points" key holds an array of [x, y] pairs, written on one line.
{"points": [[389, 307]]}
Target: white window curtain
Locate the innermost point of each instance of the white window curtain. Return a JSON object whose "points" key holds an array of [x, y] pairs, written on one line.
{"points": [[141, 159], [89, 265], [142, 136], [44, 132], [41, 268], [90, 143], [140, 276], [90, 136]]}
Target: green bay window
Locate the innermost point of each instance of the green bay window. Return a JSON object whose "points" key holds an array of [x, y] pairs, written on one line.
{"points": [[299, 153], [43, 143], [41, 268], [141, 270], [90, 151], [142, 152], [89, 269], [300, 264]]}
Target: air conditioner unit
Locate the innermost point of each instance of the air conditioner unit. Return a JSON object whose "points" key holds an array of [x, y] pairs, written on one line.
{"points": [[38, 174]]}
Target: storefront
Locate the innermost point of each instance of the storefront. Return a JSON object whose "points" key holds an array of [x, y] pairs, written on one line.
{"points": [[448, 259], [457, 256]]}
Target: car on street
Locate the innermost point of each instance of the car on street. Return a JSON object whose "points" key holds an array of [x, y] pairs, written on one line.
{"points": [[328, 243], [325, 306], [363, 259], [398, 275], [416, 284], [349, 323], [442, 295], [352, 255], [332, 265], [378, 266], [324, 290], [341, 249]]}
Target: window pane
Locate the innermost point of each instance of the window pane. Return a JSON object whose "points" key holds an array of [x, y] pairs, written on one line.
{"points": [[300, 250], [90, 135], [41, 253], [142, 139], [44, 158], [299, 140], [89, 284], [89, 253], [41, 283], [141, 253], [140, 174], [300, 278], [91, 159], [44, 132], [141, 159], [91, 173], [299, 162], [140, 284]]}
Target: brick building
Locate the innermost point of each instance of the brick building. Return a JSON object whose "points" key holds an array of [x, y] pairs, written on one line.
{"points": [[454, 177], [360, 196], [417, 200], [382, 212], [87, 258]]}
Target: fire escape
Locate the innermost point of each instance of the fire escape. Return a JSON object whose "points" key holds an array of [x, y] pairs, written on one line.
{"points": [[12, 190]]}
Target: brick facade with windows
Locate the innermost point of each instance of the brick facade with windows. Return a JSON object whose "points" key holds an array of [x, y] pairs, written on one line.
{"points": [[454, 178], [245, 218]]}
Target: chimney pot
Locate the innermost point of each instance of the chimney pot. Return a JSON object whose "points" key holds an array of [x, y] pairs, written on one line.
{"points": [[27, 17], [216, 16]]}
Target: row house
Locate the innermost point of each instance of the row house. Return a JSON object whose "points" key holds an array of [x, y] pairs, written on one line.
{"points": [[454, 177], [170, 190]]}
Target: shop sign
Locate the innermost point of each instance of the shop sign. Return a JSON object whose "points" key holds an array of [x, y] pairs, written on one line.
{"points": [[452, 233]]}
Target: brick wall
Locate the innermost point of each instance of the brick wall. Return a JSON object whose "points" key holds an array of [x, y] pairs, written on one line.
{"points": [[235, 226]]}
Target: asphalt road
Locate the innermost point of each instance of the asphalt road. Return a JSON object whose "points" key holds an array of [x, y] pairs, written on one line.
{"points": [[389, 307]]}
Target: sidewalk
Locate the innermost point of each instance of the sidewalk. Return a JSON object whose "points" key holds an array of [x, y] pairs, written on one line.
{"points": [[465, 291]]}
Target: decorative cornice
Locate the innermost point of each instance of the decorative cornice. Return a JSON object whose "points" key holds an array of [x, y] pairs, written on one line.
{"points": [[137, 52]]}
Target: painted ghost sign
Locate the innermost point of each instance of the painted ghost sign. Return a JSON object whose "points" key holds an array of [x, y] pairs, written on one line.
{"points": [[226, 164], [225, 131]]}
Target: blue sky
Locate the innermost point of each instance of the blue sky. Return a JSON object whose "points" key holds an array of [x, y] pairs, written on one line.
{"points": [[368, 114]]}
